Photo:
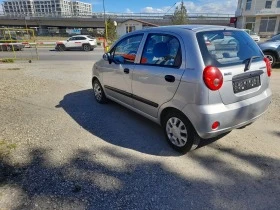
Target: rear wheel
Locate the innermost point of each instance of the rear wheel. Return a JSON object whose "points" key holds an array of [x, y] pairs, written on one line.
{"points": [[86, 47], [271, 57], [179, 132]]}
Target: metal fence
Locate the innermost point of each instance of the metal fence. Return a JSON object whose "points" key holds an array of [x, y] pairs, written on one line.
{"points": [[13, 41], [98, 15]]}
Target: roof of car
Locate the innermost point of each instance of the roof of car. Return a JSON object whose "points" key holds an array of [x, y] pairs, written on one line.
{"points": [[195, 28], [80, 36]]}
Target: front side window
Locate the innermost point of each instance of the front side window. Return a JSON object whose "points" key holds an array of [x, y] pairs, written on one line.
{"points": [[227, 48], [125, 51], [162, 50], [268, 4]]}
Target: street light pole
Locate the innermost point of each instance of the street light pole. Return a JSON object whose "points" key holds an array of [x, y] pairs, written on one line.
{"points": [[106, 31]]}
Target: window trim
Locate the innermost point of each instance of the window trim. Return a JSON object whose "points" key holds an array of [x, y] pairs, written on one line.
{"points": [[160, 65]]}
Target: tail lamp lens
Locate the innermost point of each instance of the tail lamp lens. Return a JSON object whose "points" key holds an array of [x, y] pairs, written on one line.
{"points": [[268, 66], [215, 125], [213, 78]]}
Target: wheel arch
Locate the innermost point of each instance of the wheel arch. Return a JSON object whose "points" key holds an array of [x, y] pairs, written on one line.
{"points": [[167, 110]]}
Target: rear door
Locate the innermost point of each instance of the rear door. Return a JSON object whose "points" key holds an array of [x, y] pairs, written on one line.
{"points": [[157, 76], [239, 59]]}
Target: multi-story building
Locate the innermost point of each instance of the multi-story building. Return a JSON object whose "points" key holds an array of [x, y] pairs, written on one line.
{"points": [[46, 8], [261, 16]]}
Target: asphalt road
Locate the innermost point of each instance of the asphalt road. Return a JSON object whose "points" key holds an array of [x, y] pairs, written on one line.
{"points": [[73, 153], [49, 54]]}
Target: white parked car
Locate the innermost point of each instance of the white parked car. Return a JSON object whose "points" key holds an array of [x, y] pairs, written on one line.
{"points": [[83, 42], [253, 35]]}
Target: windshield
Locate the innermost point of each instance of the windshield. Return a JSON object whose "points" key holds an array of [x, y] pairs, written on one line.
{"points": [[227, 48]]}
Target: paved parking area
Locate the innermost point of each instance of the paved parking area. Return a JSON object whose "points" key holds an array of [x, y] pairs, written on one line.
{"points": [[73, 153]]}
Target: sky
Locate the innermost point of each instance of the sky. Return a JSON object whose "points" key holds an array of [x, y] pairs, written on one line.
{"points": [[163, 6]]}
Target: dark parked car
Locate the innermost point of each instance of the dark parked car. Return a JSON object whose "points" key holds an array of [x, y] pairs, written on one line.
{"points": [[271, 49], [10, 44]]}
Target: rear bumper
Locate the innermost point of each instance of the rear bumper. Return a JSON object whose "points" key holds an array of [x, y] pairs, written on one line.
{"points": [[230, 116]]}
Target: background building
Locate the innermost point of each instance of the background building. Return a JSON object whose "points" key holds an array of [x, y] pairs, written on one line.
{"points": [[261, 16], [46, 8], [131, 25]]}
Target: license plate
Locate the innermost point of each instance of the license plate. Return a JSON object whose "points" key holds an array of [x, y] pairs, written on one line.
{"points": [[246, 84]]}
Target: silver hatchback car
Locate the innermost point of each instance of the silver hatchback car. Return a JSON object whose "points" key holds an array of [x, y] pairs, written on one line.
{"points": [[195, 81]]}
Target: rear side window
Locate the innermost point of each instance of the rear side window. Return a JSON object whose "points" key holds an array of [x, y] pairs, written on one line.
{"points": [[162, 50], [227, 48]]}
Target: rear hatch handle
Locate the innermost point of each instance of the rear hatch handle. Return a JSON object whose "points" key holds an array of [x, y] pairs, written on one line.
{"points": [[248, 64]]}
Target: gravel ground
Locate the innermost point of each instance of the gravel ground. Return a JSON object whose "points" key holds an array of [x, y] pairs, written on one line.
{"points": [[72, 153]]}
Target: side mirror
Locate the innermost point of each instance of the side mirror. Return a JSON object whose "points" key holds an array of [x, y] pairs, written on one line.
{"points": [[106, 57]]}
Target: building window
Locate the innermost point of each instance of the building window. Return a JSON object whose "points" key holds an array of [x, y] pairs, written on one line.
{"points": [[250, 23], [278, 4], [248, 4], [268, 24], [130, 29], [268, 4]]}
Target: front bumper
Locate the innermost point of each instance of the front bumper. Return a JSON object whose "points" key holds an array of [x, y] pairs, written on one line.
{"points": [[230, 116]]}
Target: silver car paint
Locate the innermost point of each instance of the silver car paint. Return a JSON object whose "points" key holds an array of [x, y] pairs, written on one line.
{"points": [[192, 97]]}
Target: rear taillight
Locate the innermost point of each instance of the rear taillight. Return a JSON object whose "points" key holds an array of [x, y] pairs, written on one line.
{"points": [[213, 78], [268, 66]]}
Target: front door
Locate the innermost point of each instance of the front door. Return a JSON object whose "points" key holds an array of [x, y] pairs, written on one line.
{"points": [[157, 77], [117, 75]]}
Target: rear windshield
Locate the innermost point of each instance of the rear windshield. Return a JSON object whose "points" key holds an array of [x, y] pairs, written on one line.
{"points": [[227, 48]]}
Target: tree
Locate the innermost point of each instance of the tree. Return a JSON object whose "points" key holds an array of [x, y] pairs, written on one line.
{"points": [[180, 16], [111, 30]]}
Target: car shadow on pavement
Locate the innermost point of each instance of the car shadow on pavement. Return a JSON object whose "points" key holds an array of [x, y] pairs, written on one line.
{"points": [[116, 124], [85, 182]]}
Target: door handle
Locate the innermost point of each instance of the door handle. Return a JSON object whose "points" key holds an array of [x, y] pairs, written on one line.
{"points": [[169, 78], [126, 71]]}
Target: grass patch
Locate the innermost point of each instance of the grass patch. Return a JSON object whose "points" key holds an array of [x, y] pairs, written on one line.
{"points": [[13, 69], [7, 60], [6, 148]]}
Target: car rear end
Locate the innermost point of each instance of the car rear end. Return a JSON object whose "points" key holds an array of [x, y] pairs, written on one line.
{"points": [[236, 78], [92, 41]]}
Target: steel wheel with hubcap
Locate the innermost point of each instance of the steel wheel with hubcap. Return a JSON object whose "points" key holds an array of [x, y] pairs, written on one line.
{"points": [[179, 132], [98, 92], [270, 57], [86, 47]]}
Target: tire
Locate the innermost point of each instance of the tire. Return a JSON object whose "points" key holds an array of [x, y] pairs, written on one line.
{"points": [[9, 48], [98, 91], [271, 58], [86, 47], [61, 47], [179, 132]]}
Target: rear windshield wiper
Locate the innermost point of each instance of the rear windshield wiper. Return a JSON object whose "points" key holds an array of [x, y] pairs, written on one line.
{"points": [[248, 64]]}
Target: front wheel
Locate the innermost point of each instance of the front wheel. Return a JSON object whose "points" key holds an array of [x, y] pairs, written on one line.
{"points": [[61, 48], [98, 92], [270, 57], [180, 133]]}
